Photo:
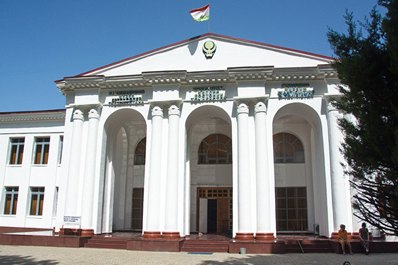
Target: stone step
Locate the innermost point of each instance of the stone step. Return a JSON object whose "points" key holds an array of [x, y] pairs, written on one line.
{"points": [[205, 246], [106, 242]]}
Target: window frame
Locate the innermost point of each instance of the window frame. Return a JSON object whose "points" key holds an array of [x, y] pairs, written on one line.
{"points": [[60, 149], [140, 158], [13, 205], [37, 208], [207, 144], [16, 159], [43, 142], [288, 141]]}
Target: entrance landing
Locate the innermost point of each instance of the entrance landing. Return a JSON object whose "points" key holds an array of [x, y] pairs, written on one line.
{"points": [[191, 244]]}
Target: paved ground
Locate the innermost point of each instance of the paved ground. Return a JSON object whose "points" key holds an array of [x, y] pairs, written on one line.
{"points": [[57, 255]]}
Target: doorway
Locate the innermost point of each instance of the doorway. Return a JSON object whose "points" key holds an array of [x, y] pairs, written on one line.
{"points": [[214, 210]]}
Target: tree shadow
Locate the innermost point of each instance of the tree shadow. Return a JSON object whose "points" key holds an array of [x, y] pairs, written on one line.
{"points": [[17, 259]]}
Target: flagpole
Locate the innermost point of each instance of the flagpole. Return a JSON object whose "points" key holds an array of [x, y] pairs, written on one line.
{"points": [[208, 24]]}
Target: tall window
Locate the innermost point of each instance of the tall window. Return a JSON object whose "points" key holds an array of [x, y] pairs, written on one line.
{"points": [[288, 149], [16, 150], [36, 200], [215, 149], [11, 200], [61, 147], [139, 154], [42, 147], [55, 206], [291, 209]]}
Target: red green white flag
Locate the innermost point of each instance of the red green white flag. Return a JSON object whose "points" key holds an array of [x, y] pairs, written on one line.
{"points": [[201, 14]]}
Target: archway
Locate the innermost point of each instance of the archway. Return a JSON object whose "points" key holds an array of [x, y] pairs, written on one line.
{"points": [[300, 180], [124, 170], [209, 154]]}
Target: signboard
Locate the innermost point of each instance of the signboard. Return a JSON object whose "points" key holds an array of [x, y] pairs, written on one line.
{"points": [[296, 91], [72, 220], [209, 93], [130, 97]]}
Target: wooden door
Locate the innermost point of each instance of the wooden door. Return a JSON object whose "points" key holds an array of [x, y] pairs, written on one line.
{"points": [[223, 219]]}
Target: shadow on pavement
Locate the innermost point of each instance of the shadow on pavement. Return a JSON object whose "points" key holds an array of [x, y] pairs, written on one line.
{"points": [[16, 259]]}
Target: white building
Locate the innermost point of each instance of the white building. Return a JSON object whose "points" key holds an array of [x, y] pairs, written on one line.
{"points": [[212, 134]]}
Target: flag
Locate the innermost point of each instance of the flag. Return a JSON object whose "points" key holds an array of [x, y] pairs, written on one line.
{"points": [[201, 14]]}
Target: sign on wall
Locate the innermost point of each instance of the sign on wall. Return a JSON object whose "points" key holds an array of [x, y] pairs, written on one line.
{"points": [[209, 93], [130, 97], [296, 91]]}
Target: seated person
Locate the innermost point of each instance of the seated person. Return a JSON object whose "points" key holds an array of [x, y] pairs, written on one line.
{"points": [[364, 237], [343, 239]]}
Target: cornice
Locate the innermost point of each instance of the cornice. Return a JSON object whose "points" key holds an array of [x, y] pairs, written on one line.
{"points": [[39, 116], [179, 78]]}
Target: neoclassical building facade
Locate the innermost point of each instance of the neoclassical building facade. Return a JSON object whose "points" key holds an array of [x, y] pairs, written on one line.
{"points": [[213, 134]]}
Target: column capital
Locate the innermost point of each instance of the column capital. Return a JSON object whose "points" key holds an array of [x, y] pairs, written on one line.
{"points": [[93, 114], [157, 111], [78, 115], [260, 107], [242, 108], [174, 110]]}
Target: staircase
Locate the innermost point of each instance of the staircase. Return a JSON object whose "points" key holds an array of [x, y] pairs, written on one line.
{"points": [[107, 242], [200, 246]]}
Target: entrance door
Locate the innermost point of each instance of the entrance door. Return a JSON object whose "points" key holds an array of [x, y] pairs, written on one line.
{"points": [[136, 218], [214, 210]]}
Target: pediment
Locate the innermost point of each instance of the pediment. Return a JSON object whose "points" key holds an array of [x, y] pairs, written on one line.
{"points": [[188, 55]]}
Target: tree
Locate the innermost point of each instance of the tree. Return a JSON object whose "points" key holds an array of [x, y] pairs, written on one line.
{"points": [[367, 65]]}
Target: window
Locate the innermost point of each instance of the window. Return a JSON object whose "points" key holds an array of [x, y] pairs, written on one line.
{"points": [[61, 147], [139, 155], [288, 149], [42, 147], [55, 201], [36, 200], [291, 209], [11, 200], [215, 149], [16, 150]]}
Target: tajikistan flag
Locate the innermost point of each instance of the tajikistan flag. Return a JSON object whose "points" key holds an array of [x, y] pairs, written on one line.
{"points": [[201, 14]]}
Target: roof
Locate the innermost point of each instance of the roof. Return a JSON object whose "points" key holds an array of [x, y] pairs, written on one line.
{"points": [[325, 59]]}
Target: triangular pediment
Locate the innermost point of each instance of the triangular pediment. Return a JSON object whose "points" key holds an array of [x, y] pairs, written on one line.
{"points": [[188, 55]]}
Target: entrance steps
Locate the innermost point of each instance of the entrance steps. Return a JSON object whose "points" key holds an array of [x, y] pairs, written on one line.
{"points": [[203, 245], [107, 242]]}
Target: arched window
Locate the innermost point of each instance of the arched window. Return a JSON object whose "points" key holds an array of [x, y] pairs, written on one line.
{"points": [[215, 149], [288, 149], [139, 154]]}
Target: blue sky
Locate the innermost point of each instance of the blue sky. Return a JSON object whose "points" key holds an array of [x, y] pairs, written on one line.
{"points": [[46, 40]]}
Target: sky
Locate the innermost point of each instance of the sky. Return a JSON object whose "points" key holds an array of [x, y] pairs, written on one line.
{"points": [[46, 40]]}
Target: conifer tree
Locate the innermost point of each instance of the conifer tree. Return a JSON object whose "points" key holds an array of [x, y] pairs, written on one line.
{"points": [[367, 65]]}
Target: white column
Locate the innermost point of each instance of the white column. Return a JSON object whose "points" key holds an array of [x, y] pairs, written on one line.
{"points": [[72, 195], [340, 185], [153, 206], [89, 173], [264, 230], [171, 222], [244, 209]]}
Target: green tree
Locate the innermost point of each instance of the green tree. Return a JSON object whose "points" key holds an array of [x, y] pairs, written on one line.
{"points": [[367, 64]]}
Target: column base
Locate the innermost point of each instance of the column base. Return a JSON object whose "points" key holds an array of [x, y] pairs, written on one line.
{"points": [[171, 235], [87, 232], [152, 235], [244, 236], [265, 237]]}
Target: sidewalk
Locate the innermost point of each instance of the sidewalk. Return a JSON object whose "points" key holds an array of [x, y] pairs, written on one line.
{"points": [[58, 255]]}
